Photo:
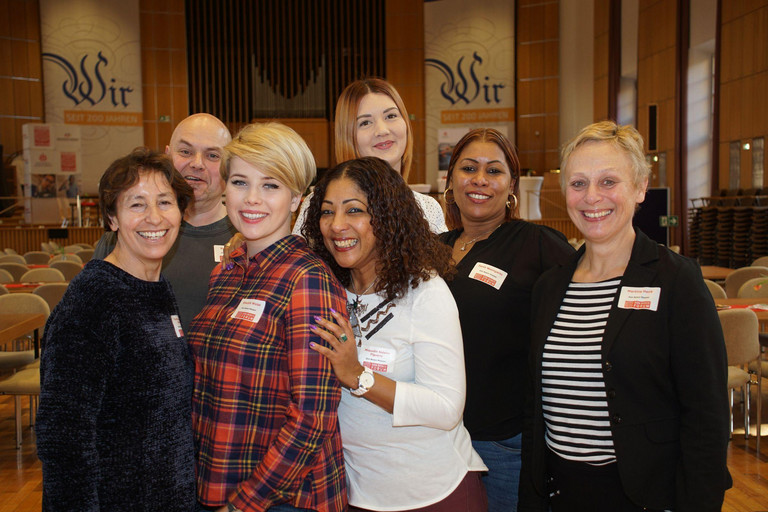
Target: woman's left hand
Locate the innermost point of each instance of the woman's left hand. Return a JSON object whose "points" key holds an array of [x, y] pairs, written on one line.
{"points": [[343, 352]]}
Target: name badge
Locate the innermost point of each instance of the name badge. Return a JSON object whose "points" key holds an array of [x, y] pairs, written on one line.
{"points": [[639, 298], [177, 326], [249, 310], [488, 274], [378, 359], [218, 253]]}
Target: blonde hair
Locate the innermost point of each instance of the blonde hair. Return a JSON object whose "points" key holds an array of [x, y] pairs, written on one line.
{"points": [[277, 150], [345, 120], [624, 138]]}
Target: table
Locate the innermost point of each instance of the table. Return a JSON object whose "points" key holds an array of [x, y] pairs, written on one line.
{"points": [[714, 273], [15, 325]]}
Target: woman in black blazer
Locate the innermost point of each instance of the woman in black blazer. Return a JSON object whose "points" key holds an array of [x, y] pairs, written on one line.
{"points": [[629, 405]]}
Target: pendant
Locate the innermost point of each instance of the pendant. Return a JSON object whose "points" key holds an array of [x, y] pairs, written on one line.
{"points": [[357, 306]]}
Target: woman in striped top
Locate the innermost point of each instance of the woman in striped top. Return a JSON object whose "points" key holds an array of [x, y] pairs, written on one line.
{"points": [[618, 420]]}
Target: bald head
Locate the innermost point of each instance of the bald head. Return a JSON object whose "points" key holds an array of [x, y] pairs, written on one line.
{"points": [[204, 125], [196, 148]]}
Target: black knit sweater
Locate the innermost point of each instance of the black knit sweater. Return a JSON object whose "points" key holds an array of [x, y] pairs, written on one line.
{"points": [[114, 425]]}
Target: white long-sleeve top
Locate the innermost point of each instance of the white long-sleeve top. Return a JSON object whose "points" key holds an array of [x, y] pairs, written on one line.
{"points": [[419, 454]]}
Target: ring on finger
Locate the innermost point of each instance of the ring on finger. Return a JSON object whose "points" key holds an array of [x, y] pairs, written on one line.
{"points": [[343, 338]]}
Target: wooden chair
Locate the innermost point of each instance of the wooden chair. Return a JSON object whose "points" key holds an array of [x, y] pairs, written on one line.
{"points": [[762, 261], [13, 258], [69, 268], [66, 257], [740, 276], [15, 269], [740, 330], [51, 292], [5, 276], [23, 382], [37, 258], [43, 275], [756, 287], [715, 289]]}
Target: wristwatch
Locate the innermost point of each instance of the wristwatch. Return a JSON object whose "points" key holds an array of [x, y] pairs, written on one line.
{"points": [[365, 381], [232, 508]]}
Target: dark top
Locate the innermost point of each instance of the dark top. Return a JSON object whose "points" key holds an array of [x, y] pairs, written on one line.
{"points": [[188, 264], [114, 428], [495, 323], [665, 375]]}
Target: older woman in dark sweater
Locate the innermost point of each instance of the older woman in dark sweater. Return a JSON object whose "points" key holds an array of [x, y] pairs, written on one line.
{"points": [[114, 427]]}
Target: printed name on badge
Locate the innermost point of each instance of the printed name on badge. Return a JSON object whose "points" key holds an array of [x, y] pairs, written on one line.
{"points": [[378, 359], [249, 310], [177, 326], [218, 253], [632, 297], [488, 274]]}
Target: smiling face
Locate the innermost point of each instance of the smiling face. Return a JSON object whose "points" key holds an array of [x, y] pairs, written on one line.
{"points": [[600, 192], [196, 149], [380, 129], [482, 183], [259, 206], [346, 227], [147, 220]]}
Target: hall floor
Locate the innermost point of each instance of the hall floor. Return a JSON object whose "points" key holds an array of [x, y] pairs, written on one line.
{"points": [[21, 474]]}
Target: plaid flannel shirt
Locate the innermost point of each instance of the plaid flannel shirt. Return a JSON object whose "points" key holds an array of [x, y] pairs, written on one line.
{"points": [[264, 406]]}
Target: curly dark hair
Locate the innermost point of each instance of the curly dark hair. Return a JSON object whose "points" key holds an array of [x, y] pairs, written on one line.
{"points": [[409, 251]]}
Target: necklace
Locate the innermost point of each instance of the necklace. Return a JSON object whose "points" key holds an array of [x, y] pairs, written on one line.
{"points": [[481, 235], [356, 306]]}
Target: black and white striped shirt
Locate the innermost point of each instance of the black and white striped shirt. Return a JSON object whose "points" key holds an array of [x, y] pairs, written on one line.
{"points": [[573, 390]]}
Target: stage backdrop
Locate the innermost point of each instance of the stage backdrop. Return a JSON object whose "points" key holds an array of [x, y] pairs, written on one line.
{"points": [[470, 73], [92, 77]]}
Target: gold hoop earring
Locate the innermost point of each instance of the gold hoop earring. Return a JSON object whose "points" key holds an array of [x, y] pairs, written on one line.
{"points": [[509, 203], [445, 196]]}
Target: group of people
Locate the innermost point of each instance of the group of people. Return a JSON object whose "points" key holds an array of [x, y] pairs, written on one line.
{"points": [[378, 355]]}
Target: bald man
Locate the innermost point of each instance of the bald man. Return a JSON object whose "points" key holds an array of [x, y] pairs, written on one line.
{"points": [[196, 149]]}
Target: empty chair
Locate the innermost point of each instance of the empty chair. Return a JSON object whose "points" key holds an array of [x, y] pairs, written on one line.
{"points": [[72, 248], [5, 276], [23, 382], [762, 261], [85, 255], [51, 292], [715, 289], [15, 303], [85, 245], [13, 258], [8, 250], [740, 276], [43, 275], [69, 268], [15, 269], [47, 247], [3, 290], [740, 330], [756, 287], [37, 257], [675, 248], [66, 257]]}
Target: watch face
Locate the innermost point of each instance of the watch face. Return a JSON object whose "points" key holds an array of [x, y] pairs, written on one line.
{"points": [[366, 380]]}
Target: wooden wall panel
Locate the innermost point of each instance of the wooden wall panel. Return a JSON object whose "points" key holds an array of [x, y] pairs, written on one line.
{"points": [[537, 83], [743, 83], [163, 69], [601, 64], [20, 70]]}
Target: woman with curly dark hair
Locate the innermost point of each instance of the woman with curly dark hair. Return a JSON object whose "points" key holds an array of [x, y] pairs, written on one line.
{"points": [[399, 356]]}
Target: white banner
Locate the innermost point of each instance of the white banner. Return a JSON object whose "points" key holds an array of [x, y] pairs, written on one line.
{"points": [[470, 73], [92, 77]]}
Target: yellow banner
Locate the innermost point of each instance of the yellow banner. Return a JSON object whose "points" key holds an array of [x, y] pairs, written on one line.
{"points": [[103, 118], [480, 115]]}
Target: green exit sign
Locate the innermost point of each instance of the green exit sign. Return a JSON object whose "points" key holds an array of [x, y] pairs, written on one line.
{"points": [[669, 221]]}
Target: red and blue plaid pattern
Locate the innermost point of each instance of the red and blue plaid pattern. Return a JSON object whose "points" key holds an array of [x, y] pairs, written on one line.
{"points": [[264, 407]]}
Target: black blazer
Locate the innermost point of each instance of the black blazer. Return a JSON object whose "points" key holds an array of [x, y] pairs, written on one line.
{"points": [[665, 374]]}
